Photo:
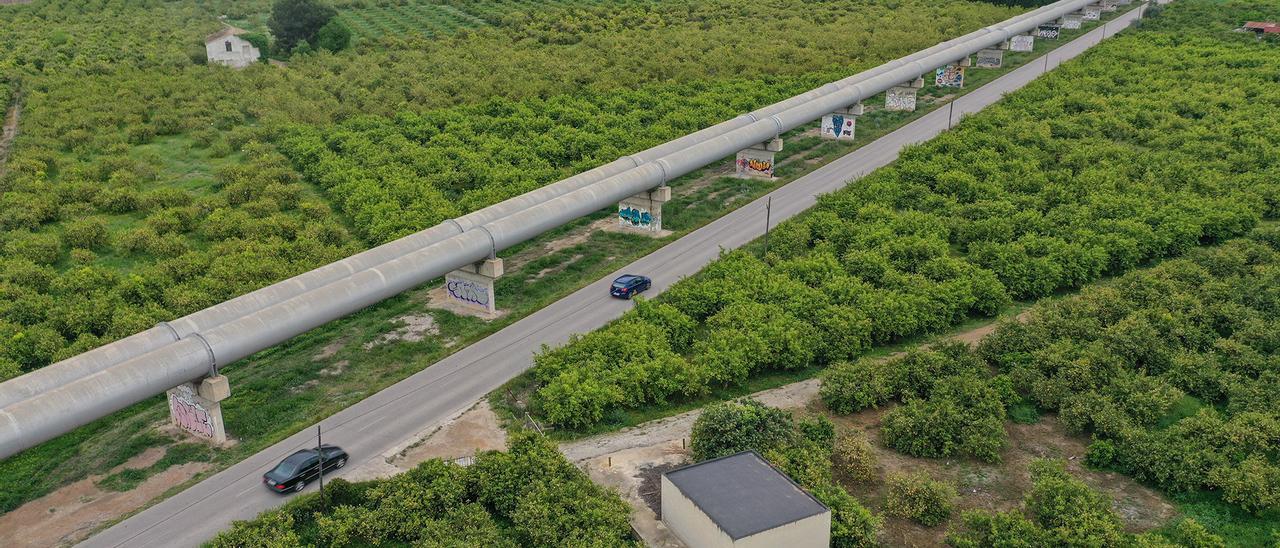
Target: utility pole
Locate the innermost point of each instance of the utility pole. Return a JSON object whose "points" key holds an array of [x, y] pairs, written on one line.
{"points": [[951, 109], [768, 207], [320, 450], [1046, 63]]}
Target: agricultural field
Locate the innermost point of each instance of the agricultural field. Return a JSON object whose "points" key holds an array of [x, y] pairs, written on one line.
{"points": [[191, 184], [149, 203], [378, 18], [1110, 162], [1171, 371]]}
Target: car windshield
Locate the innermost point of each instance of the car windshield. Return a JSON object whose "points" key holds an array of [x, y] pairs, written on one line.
{"points": [[291, 465]]}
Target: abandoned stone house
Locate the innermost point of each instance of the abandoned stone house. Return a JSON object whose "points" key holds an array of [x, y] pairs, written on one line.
{"points": [[228, 48]]}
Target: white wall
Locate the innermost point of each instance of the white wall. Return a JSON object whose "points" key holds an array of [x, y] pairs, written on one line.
{"points": [[242, 53], [688, 522], [811, 532]]}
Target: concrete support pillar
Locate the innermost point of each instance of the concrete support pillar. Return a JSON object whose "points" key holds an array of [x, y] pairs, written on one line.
{"points": [[1092, 13], [949, 76], [472, 285], [643, 212], [1124, 2], [195, 408], [1049, 31], [757, 161], [1022, 42], [990, 58], [840, 125], [903, 97], [1072, 20], [1108, 5]]}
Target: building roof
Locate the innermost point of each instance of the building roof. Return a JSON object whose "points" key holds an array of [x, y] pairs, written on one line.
{"points": [[743, 494], [1261, 25], [225, 32]]}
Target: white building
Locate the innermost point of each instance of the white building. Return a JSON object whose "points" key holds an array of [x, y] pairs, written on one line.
{"points": [[741, 501], [228, 48]]}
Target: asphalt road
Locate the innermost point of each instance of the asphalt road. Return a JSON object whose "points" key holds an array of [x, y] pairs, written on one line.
{"points": [[384, 420]]}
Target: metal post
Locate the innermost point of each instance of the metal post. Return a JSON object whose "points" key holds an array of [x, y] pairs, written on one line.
{"points": [[1046, 63], [951, 109], [320, 449], [768, 207]]}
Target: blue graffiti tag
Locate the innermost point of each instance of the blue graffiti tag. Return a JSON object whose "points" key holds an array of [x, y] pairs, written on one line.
{"points": [[635, 216]]}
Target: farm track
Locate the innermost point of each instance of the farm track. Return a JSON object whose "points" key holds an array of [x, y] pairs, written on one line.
{"points": [[10, 130]]}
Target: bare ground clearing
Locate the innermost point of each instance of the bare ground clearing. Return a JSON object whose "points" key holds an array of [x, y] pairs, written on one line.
{"points": [[68, 515]]}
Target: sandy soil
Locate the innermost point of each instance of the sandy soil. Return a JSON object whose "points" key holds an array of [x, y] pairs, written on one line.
{"points": [[457, 439], [67, 516], [9, 133], [414, 328]]}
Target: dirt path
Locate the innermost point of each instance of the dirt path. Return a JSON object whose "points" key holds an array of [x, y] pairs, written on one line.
{"points": [[67, 516], [10, 132]]}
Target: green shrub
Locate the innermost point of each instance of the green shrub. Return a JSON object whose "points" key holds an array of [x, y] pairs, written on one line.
{"points": [[919, 498], [854, 458]]}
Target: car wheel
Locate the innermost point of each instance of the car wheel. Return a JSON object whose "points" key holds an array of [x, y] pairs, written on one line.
{"points": [[302, 484], [342, 462]]}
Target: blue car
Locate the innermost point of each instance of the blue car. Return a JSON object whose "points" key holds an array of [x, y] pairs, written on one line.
{"points": [[627, 285]]}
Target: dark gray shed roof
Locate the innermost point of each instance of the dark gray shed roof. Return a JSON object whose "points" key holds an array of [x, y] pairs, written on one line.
{"points": [[743, 494]]}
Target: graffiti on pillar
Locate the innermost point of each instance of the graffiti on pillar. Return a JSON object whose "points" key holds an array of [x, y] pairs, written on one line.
{"points": [[1071, 21], [1022, 42], [467, 291], [1049, 32], [990, 58], [900, 98], [1107, 5], [634, 217], [755, 164], [950, 76], [188, 413], [1124, 2], [1092, 13], [837, 126]]}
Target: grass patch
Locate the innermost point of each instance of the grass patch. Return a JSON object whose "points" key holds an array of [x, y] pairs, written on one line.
{"points": [[1237, 527], [1024, 413], [1187, 406]]}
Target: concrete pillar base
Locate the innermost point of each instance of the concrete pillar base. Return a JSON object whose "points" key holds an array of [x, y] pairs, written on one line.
{"points": [[1049, 31], [1108, 5], [1072, 20], [195, 408], [757, 161], [903, 97], [1092, 13], [643, 212], [840, 125], [472, 286], [990, 58], [949, 76], [1022, 42]]}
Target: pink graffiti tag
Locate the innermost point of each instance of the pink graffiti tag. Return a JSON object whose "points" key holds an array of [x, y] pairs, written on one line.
{"points": [[190, 416]]}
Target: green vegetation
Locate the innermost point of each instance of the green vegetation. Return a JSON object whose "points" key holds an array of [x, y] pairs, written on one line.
{"points": [[1089, 172], [1118, 360], [802, 449], [919, 498], [527, 496], [1063, 511], [283, 389]]}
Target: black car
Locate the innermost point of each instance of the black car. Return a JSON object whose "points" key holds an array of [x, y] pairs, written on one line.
{"points": [[293, 473], [627, 285]]}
